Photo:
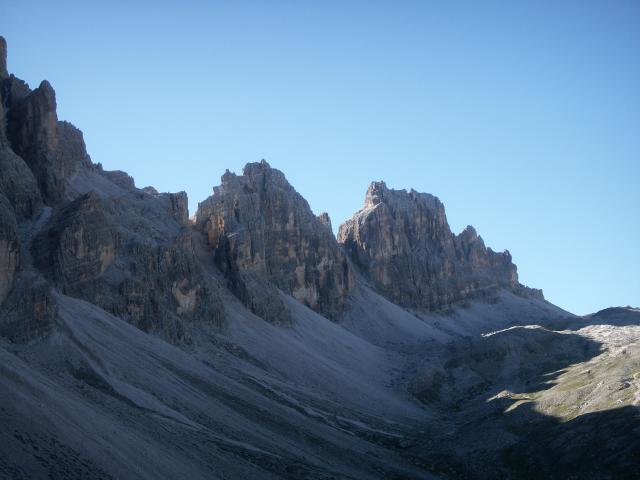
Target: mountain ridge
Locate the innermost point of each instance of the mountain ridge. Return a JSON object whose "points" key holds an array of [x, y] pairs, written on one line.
{"points": [[263, 235], [253, 343]]}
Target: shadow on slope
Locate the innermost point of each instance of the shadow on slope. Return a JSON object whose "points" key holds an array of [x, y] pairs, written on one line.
{"points": [[127, 404], [613, 316], [598, 445], [512, 399], [518, 359]]}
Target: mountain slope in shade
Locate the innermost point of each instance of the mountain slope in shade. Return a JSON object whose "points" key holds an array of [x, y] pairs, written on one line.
{"points": [[251, 343]]}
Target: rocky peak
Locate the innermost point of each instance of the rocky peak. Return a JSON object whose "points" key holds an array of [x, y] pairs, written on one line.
{"points": [[375, 194], [259, 226], [99, 238], [179, 203], [53, 150], [325, 220], [9, 247], [33, 123], [3, 58], [378, 193], [254, 170], [469, 234], [403, 243]]}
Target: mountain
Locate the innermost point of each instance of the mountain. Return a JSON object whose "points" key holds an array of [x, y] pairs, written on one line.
{"points": [[264, 236], [250, 342], [403, 244]]}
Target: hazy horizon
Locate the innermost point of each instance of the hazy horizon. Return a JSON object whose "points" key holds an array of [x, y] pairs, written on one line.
{"points": [[524, 120]]}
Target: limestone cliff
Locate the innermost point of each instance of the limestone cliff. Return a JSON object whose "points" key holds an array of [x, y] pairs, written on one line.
{"points": [[403, 244], [9, 248], [259, 226], [53, 150], [68, 225]]}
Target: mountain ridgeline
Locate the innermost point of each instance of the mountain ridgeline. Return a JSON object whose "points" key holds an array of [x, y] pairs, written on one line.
{"points": [[248, 342], [71, 225]]}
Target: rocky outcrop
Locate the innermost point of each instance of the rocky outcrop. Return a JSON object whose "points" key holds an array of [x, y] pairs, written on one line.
{"points": [[260, 228], [325, 220], [3, 59], [18, 184], [9, 248], [32, 131], [30, 310], [17, 181], [14, 90], [97, 249], [180, 207], [120, 178], [80, 244], [103, 240], [69, 226], [403, 244], [53, 150]]}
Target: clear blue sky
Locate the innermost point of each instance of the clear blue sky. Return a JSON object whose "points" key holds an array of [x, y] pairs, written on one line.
{"points": [[523, 117]]}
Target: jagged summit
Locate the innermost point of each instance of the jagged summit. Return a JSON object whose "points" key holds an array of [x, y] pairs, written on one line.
{"points": [[133, 343], [255, 176], [403, 244], [378, 193], [101, 234], [261, 167], [67, 225], [263, 235], [3, 58]]}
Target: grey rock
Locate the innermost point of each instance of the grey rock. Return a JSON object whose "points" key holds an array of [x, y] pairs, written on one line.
{"points": [[3, 125], [3, 58], [402, 242], [80, 243], [18, 184], [256, 222], [9, 248], [13, 91], [511, 388], [180, 207], [98, 249], [120, 178], [325, 220], [29, 312], [53, 150]]}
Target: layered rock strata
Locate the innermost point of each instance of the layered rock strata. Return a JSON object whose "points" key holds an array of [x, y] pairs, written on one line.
{"points": [[402, 243], [87, 232], [264, 235]]}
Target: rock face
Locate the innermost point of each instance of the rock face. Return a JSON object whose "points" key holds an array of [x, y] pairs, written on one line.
{"points": [[97, 249], [403, 244], [18, 184], [9, 248], [264, 235], [80, 242], [180, 207], [3, 58], [53, 150], [86, 232], [68, 226], [30, 310]]}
